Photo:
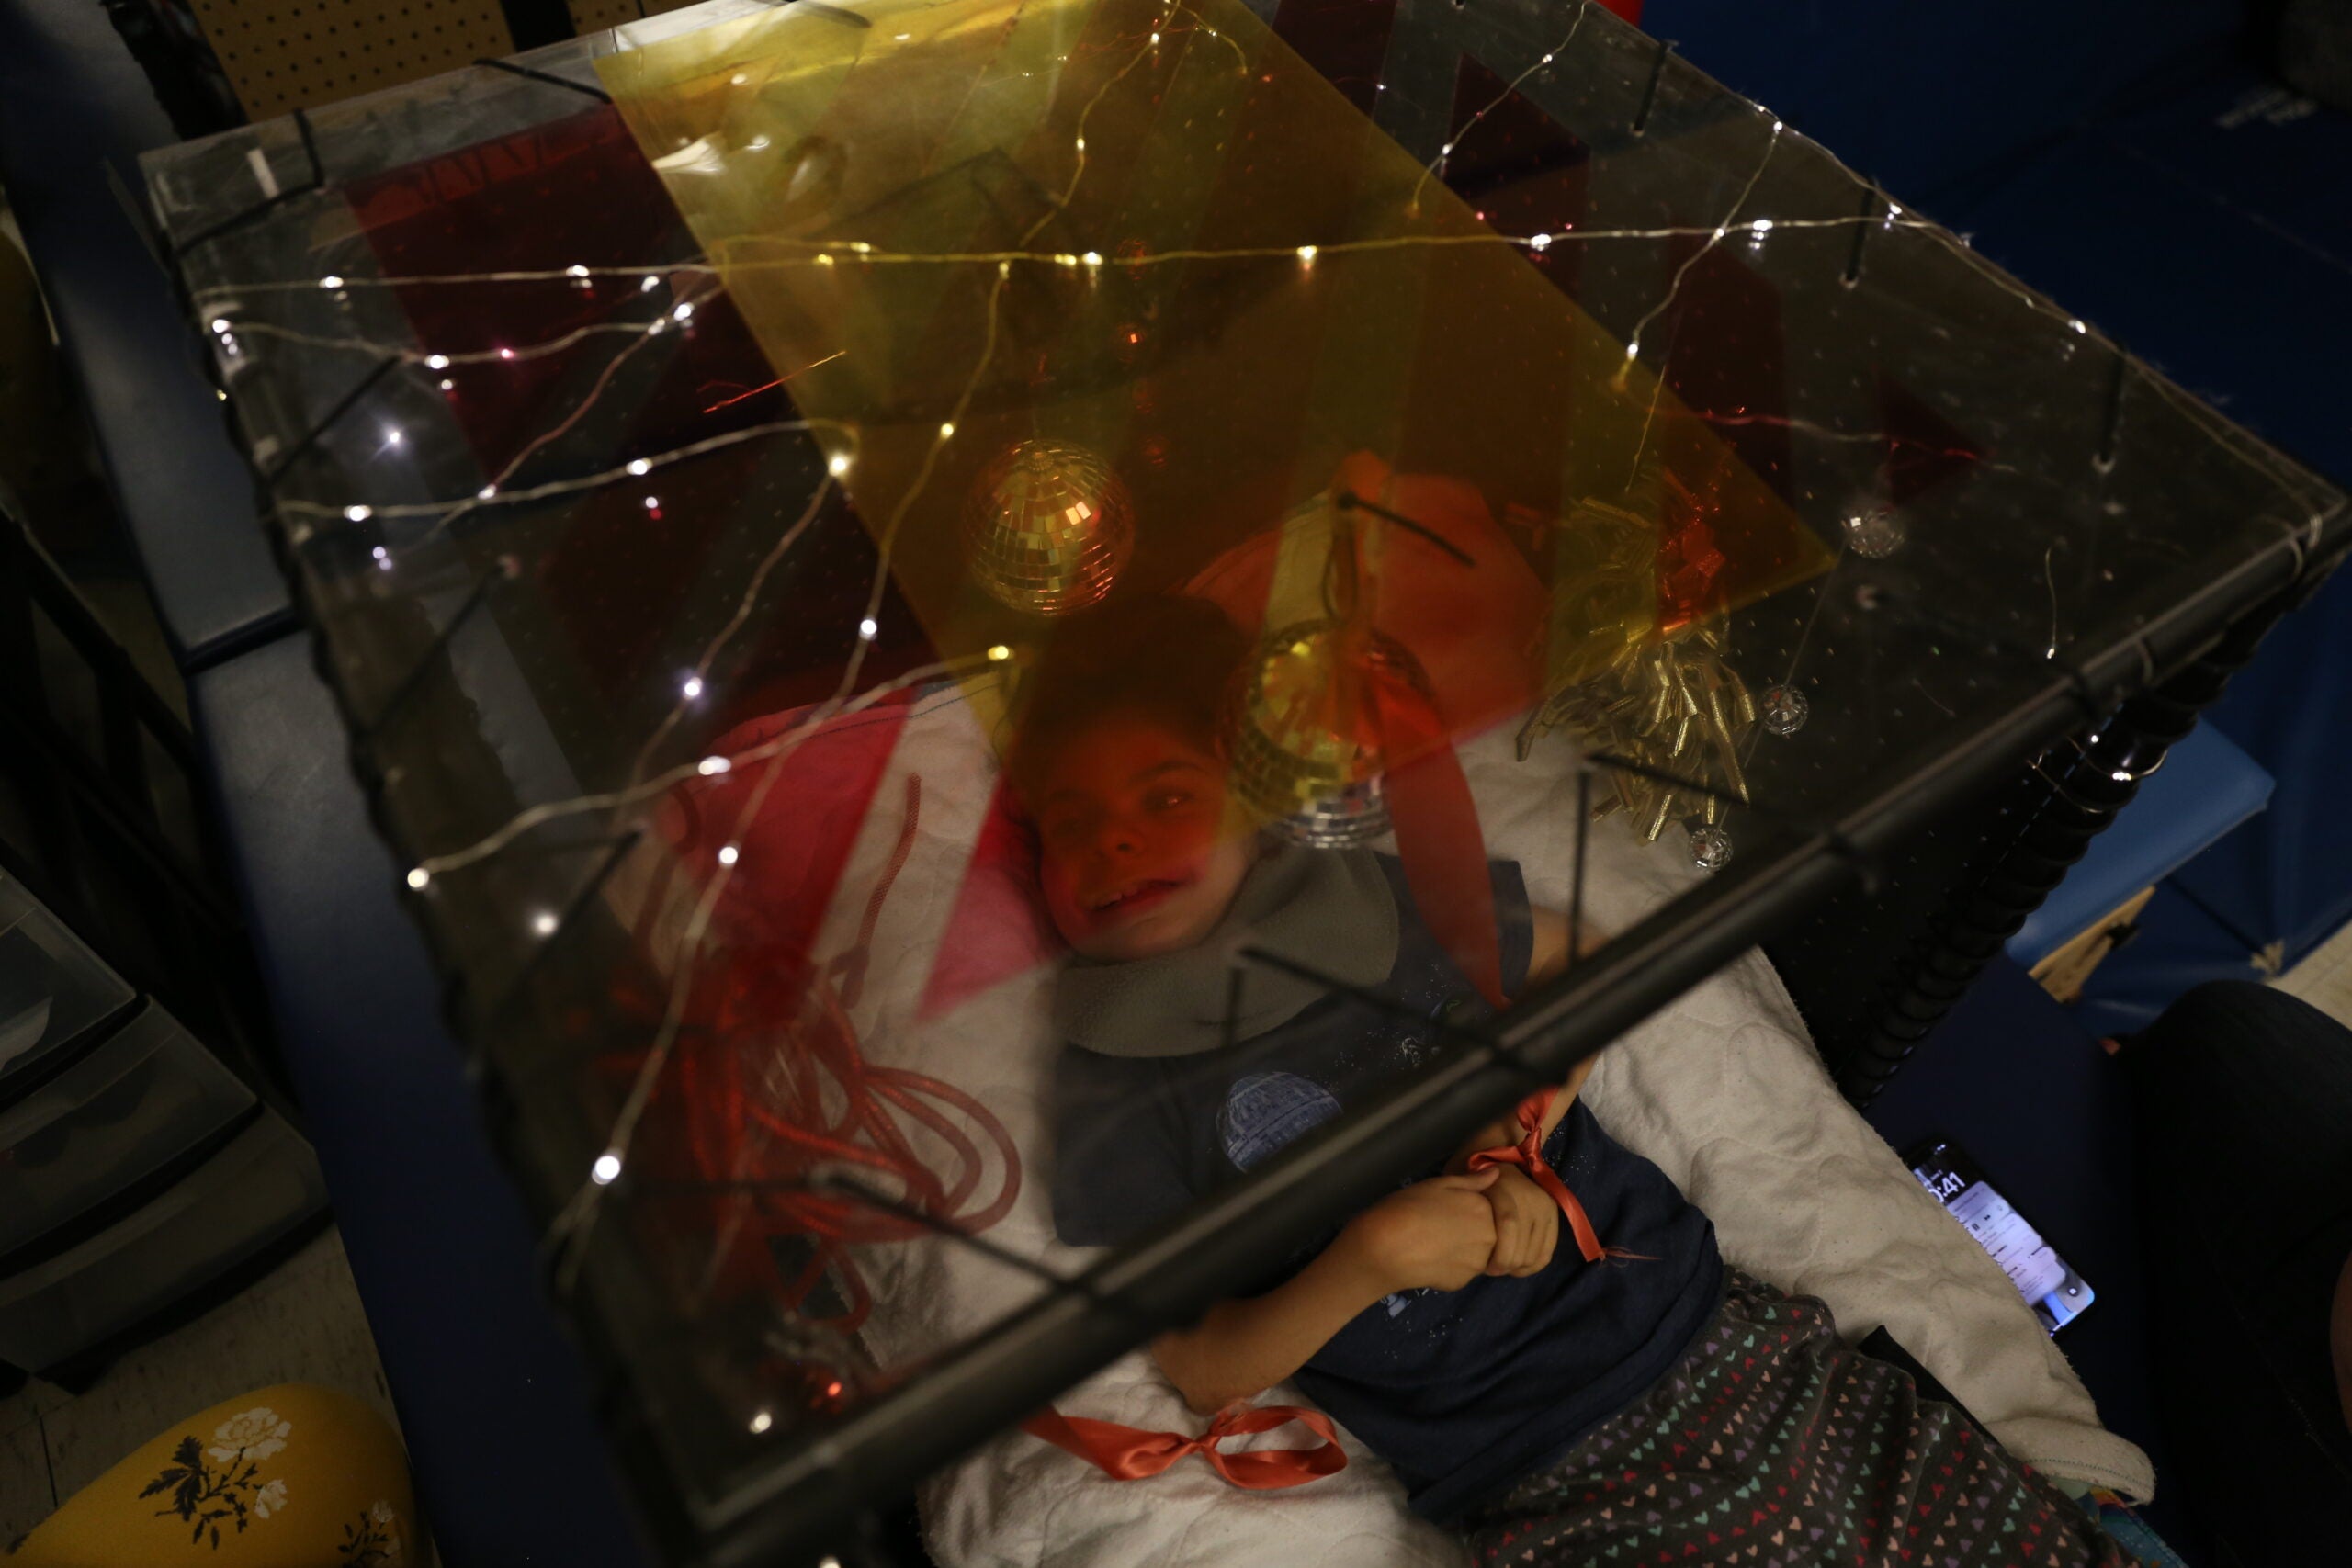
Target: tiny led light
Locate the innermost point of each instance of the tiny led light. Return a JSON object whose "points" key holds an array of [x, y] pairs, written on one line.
{"points": [[729, 854], [650, 285], [2120, 776], [1306, 253], [947, 431], [2079, 325], [738, 79], [867, 629], [684, 312], [447, 385], [1092, 259], [436, 362], [1539, 241], [692, 686], [711, 766], [606, 1170], [763, 1421], [543, 923], [999, 652], [652, 504], [575, 270], [418, 876], [486, 492], [505, 354], [332, 280], [358, 513], [378, 553], [838, 464], [639, 466], [220, 326]]}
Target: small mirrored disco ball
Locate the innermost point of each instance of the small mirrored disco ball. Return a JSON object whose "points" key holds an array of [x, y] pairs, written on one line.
{"points": [[1710, 846], [1357, 815], [1048, 527], [1874, 532], [1783, 709]]}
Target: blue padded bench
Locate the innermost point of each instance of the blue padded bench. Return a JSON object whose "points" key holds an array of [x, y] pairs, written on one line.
{"points": [[73, 104], [510, 1464]]}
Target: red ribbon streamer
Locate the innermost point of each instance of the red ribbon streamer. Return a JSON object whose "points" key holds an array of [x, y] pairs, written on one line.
{"points": [[1130, 1453], [1528, 1156]]}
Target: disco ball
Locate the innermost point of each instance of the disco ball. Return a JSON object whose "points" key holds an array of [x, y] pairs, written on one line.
{"points": [[1048, 527], [1310, 743]]}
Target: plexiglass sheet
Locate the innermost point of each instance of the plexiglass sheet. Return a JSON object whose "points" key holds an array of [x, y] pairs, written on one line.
{"points": [[947, 595]]}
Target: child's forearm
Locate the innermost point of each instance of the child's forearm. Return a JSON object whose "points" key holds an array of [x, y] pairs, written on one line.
{"points": [[1240, 1349]]}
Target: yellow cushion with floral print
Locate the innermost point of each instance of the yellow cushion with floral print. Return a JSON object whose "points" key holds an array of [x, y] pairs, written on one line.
{"points": [[291, 1476]]}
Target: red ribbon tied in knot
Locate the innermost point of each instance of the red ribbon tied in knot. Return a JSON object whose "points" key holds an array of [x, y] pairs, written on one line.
{"points": [[1528, 1156], [1130, 1453]]}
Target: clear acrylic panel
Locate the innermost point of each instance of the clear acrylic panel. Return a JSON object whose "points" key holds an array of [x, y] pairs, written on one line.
{"points": [[707, 453]]}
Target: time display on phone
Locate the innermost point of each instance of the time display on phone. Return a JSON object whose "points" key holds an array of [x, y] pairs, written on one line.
{"points": [[2057, 1294]]}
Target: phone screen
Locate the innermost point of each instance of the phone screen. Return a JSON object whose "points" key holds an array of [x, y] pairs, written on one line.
{"points": [[2057, 1294]]}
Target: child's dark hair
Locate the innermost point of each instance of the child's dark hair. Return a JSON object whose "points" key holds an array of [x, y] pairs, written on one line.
{"points": [[1169, 658]]}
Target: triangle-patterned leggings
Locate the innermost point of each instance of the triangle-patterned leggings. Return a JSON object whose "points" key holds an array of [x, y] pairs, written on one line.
{"points": [[1772, 1445]]}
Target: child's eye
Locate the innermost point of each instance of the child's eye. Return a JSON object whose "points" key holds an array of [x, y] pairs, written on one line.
{"points": [[1170, 799]]}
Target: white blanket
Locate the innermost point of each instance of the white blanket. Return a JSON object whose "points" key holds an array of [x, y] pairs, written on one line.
{"points": [[1721, 1090]]}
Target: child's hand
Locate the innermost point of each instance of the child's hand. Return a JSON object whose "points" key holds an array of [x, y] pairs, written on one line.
{"points": [[1437, 1233], [1527, 1226]]}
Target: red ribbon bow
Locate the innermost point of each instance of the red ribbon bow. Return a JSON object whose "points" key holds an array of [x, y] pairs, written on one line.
{"points": [[1528, 1156], [1130, 1453]]}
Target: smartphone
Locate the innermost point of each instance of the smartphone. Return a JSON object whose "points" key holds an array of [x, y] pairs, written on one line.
{"points": [[2057, 1294]]}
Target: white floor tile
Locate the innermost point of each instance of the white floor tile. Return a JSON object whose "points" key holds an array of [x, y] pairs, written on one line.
{"points": [[2325, 977], [303, 1323], [25, 1495], [36, 1399]]}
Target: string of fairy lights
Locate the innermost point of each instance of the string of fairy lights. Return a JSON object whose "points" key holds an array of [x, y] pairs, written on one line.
{"points": [[224, 307], [569, 1231]]}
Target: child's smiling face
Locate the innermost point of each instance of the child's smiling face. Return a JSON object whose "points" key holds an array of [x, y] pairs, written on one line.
{"points": [[1137, 853]]}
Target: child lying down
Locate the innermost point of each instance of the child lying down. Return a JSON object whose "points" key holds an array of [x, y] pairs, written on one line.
{"points": [[1506, 1377]]}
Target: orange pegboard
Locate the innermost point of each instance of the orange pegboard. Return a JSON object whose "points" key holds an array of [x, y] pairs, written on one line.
{"points": [[282, 55]]}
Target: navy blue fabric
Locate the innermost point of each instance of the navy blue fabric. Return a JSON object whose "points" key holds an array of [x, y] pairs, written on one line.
{"points": [[1462, 1391], [2206, 787], [72, 104], [2012, 1079], [2207, 237], [493, 1403], [1920, 97]]}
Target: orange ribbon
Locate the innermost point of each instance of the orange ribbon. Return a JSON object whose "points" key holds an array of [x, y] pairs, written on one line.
{"points": [[1130, 1453], [1528, 1156]]}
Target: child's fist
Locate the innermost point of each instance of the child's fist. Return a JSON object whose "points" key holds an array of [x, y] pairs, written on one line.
{"points": [[1527, 1224], [1437, 1233]]}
